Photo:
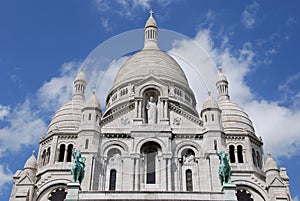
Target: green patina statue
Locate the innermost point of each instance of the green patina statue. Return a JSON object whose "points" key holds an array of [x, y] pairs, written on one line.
{"points": [[78, 167], [224, 168]]}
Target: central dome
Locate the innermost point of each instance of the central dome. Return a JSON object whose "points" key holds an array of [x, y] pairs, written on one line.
{"points": [[151, 61]]}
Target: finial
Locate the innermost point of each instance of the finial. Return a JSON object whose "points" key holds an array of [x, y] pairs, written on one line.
{"points": [[220, 69], [209, 93], [94, 92], [151, 13], [33, 152], [269, 155], [82, 69]]}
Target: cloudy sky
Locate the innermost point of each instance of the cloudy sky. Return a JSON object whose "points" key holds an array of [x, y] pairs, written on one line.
{"points": [[44, 43]]}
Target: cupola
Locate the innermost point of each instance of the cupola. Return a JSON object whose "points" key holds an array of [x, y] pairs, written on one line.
{"points": [[151, 33], [79, 85]]}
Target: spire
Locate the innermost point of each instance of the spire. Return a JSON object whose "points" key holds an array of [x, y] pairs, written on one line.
{"points": [[151, 33], [222, 86], [79, 85]]}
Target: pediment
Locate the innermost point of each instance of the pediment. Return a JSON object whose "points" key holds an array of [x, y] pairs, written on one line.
{"points": [[151, 81], [25, 180], [276, 182]]}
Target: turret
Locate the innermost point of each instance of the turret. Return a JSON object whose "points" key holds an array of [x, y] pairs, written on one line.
{"points": [[91, 112], [79, 86], [151, 33], [271, 169], [211, 114], [222, 86], [30, 167], [277, 180]]}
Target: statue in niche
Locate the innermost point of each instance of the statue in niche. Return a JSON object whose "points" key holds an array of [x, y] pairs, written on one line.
{"points": [[151, 111], [189, 159]]}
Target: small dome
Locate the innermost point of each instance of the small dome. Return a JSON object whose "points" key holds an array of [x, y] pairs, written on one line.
{"points": [[68, 117], [209, 102], [92, 101], [221, 77], [270, 164], [31, 163], [80, 76], [151, 22], [234, 117]]}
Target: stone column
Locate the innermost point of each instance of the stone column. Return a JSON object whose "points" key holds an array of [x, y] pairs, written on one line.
{"points": [[66, 153], [169, 166], [165, 109], [137, 174], [140, 108], [53, 150], [136, 105], [135, 177]]}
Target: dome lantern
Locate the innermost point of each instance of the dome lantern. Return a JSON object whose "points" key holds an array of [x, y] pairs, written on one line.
{"points": [[79, 85], [151, 33], [222, 86]]}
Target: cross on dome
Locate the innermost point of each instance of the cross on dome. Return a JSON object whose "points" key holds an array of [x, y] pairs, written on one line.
{"points": [[151, 13]]}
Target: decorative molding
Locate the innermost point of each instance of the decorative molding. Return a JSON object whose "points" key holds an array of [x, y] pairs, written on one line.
{"points": [[186, 114]]}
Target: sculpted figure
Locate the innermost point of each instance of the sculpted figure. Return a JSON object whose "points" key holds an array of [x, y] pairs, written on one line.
{"points": [[224, 168], [151, 111], [78, 167]]}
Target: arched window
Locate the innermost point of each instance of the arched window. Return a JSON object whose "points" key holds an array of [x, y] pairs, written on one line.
{"points": [[90, 116], [240, 153], [254, 157], [86, 143], [69, 153], [212, 117], [231, 154], [258, 159], [150, 152], [44, 157], [48, 155], [189, 180], [205, 117], [61, 156], [243, 195], [112, 180], [58, 195]]}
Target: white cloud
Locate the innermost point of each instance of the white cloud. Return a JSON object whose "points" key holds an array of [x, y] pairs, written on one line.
{"points": [[105, 24], [6, 177], [25, 121], [296, 198], [58, 90], [248, 17], [122, 7], [4, 110], [23, 127], [278, 125], [290, 91]]}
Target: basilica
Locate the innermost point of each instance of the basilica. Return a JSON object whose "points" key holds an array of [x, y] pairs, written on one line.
{"points": [[150, 142]]}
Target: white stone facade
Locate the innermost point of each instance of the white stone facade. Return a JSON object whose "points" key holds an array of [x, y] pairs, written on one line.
{"points": [[171, 156]]}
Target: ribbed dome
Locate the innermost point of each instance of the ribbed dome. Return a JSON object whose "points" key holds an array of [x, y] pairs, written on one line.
{"points": [[67, 117], [234, 117], [151, 22], [270, 164], [80, 76], [209, 102], [221, 77], [92, 101], [31, 163], [148, 61]]}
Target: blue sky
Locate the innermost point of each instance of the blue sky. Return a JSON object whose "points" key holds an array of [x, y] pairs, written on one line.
{"points": [[43, 43]]}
